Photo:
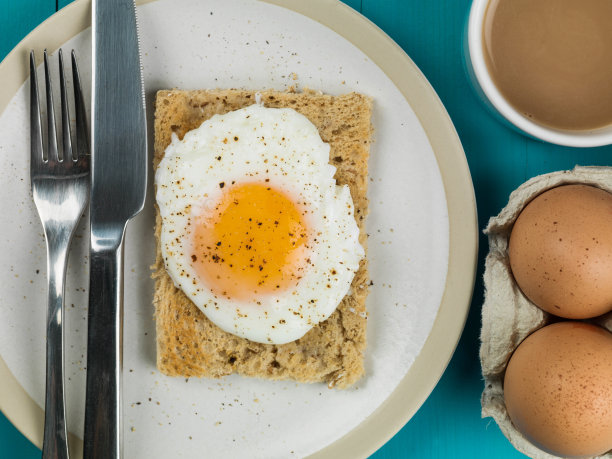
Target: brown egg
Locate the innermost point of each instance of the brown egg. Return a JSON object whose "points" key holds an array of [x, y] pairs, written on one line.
{"points": [[558, 389], [561, 251]]}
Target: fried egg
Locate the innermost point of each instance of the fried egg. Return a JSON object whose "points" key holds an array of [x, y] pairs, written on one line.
{"points": [[255, 230]]}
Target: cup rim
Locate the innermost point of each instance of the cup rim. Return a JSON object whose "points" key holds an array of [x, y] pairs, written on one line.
{"points": [[587, 138]]}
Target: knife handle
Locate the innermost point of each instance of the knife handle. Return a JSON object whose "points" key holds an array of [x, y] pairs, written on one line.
{"points": [[103, 408]]}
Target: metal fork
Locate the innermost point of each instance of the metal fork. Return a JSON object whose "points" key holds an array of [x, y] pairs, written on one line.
{"points": [[60, 187]]}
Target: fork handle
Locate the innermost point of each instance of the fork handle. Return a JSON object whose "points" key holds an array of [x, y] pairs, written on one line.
{"points": [[103, 425], [55, 440]]}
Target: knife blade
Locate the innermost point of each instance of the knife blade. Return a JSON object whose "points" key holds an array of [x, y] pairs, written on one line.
{"points": [[118, 189]]}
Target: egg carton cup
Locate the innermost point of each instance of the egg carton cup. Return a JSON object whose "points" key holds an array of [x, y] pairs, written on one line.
{"points": [[508, 316]]}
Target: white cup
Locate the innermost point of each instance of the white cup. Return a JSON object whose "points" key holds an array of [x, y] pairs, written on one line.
{"points": [[488, 92]]}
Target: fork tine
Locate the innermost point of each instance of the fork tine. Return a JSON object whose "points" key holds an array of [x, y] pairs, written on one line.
{"points": [[36, 147], [66, 136], [82, 135], [52, 153]]}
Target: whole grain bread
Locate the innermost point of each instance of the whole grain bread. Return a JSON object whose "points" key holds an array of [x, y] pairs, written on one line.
{"points": [[188, 344]]}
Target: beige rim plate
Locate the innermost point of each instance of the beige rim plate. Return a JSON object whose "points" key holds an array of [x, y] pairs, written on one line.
{"points": [[425, 372]]}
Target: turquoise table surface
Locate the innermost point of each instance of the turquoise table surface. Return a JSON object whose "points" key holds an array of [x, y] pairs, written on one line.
{"points": [[430, 31]]}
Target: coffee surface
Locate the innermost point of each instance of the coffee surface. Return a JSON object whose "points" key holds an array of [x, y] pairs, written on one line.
{"points": [[552, 59]]}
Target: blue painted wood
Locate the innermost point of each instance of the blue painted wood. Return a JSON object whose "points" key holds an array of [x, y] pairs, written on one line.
{"points": [[20, 17], [355, 4], [13, 445], [448, 424], [62, 3]]}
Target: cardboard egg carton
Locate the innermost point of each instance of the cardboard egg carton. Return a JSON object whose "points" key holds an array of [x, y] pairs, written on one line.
{"points": [[508, 317]]}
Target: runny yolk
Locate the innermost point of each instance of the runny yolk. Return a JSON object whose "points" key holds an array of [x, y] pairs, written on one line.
{"points": [[253, 242]]}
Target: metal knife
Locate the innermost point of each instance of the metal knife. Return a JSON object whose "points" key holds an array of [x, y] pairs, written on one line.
{"points": [[118, 188]]}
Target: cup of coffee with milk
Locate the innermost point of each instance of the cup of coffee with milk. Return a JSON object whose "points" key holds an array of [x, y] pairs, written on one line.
{"points": [[545, 66]]}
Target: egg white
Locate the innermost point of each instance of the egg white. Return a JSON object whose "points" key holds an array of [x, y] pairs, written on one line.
{"points": [[245, 146]]}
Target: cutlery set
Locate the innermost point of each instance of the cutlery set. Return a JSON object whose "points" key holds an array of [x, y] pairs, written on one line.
{"points": [[111, 175]]}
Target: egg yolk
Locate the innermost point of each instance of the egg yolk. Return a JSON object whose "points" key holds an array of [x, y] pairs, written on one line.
{"points": [[254, 241]]}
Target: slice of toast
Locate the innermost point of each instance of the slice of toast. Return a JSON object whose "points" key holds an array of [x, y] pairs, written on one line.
{"points": [[188, 344]]}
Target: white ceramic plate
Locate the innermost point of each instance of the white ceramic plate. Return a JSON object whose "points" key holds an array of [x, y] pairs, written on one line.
{"points": [[422, 245]]}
